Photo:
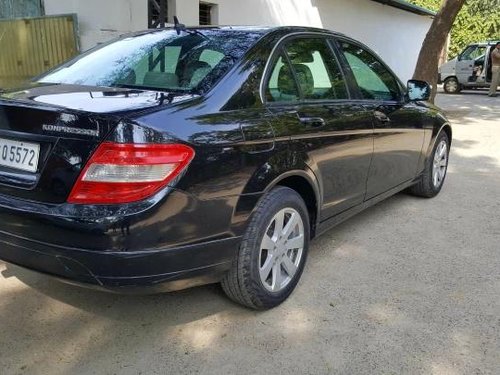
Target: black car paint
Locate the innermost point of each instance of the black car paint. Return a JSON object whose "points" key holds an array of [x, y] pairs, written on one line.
{"points": [[188, 233]]}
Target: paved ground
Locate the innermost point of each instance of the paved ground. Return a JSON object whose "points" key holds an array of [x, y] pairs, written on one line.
{"points": [[412, 286]]}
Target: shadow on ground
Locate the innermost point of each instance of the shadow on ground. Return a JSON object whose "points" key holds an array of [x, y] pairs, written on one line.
{"points": [[470, 106], [408, 286]]}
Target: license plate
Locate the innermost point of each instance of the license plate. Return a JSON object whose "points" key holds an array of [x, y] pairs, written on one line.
{"points": [[19, 155]]}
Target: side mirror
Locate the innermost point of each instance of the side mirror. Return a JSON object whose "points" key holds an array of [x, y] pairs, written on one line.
{"points": [[418, 90]]}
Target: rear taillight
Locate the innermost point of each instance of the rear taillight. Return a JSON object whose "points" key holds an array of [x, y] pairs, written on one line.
{"points": [[128, 172]]}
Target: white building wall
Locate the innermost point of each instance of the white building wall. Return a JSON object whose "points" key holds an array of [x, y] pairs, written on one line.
{"points": [[186, 10], [102, 20], [396, 35]]}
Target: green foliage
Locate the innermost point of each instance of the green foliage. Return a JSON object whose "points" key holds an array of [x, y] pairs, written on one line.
{"points": [[478, 21], [429, 4]]}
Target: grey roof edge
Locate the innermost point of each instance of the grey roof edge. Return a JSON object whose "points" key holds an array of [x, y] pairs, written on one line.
{"points": [[404, 5]]}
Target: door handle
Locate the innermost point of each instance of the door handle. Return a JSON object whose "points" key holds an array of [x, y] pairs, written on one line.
{"points": [[381, 117], [315, 122]]}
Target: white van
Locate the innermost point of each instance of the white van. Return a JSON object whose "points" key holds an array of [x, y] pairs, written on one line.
{"points": [[470, 69]]}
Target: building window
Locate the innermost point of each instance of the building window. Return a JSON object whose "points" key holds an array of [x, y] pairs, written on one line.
{"points": [[206, 13], [157, 13]]}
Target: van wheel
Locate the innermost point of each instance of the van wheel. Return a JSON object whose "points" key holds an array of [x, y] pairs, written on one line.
{"points": [[451, 86], [272, 253]]}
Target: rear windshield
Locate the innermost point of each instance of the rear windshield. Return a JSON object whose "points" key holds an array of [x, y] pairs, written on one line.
{"points": [[192, 61]]}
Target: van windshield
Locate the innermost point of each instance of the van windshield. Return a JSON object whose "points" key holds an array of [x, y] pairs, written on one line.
{"points": [[192, 61]]}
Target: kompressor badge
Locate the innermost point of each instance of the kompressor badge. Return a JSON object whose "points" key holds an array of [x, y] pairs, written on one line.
{"points": [[69, 130]]}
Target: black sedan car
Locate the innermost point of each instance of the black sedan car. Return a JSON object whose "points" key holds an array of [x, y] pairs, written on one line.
{"points": [[177, 157]]}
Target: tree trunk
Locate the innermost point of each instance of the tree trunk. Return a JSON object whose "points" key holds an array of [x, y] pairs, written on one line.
{"points": [[428, 58]]}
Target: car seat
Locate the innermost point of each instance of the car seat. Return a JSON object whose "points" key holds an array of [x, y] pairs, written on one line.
{"points": [[160, 80], [194, 72], [128, 79], [305, 79], [287, 89]]}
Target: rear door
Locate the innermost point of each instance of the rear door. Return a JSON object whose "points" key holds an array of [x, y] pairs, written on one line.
{"points": [[398, 125], [308, 94]]}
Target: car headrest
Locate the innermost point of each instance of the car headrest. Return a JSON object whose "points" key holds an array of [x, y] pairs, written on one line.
{"points": [[286, 84], [304, 78], [194, 72], [160, 79], [300, 57]]}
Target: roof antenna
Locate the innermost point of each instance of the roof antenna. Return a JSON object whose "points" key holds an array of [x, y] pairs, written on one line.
{"points": [[178, 26]]}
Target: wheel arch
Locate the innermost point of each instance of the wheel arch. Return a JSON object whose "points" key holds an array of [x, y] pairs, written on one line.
{"points": [[303, 181], [446, 127], [304, 185], [448, 77]]}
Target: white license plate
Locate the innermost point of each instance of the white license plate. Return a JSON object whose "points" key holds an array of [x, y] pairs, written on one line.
{"points": [[19, 155]]}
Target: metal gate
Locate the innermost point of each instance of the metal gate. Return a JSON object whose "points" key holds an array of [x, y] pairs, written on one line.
{"points": [[157, 13], [30, 46]]}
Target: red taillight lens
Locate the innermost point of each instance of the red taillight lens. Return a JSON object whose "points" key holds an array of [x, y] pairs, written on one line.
{"points": [[128, 172]]}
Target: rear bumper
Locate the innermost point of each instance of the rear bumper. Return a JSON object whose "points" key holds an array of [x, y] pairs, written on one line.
{"points": [[162, 270]]}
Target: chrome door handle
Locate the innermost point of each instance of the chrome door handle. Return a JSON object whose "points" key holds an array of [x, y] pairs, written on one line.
{"points": [[382, 117], [315, 122]]}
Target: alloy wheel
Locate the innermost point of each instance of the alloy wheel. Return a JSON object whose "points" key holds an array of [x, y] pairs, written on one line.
{"points": [[281, 249], [440, 164]]}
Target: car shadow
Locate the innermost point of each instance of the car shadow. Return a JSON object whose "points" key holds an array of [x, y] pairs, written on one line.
{"points": [[111, 305]]}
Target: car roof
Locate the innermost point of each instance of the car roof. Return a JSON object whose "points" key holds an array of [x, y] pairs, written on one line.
{"points": [[263, 30], [483, 44]]}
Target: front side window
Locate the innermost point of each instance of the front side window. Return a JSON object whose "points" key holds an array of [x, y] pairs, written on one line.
{"points": [[374, 80], [308, 70], [162, 60]]}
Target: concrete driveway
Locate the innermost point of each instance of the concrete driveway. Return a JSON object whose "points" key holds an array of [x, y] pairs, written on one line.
{"points": [[411, 286]]}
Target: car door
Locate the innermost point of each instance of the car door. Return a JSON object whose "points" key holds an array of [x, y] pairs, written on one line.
{"points": [[398, 125], [308, 95], [466, 67]]}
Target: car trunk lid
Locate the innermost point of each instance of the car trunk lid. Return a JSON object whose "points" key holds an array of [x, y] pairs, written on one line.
{"points": [[48, 132]]}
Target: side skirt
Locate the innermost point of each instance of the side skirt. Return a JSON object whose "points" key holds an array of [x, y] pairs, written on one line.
{"points": [[335, 220]]}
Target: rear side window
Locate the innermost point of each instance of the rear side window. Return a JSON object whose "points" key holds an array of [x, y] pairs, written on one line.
{"points": [[307, 70], [282, 86], [374, 80]]}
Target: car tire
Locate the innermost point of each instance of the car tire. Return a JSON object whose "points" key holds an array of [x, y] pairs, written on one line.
{"points": [[451, 86], [436, 166], [261, 277]]}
